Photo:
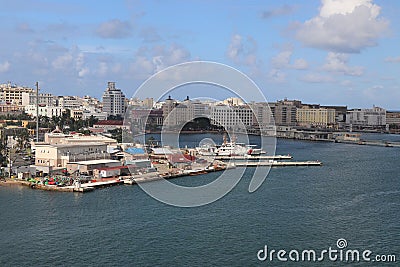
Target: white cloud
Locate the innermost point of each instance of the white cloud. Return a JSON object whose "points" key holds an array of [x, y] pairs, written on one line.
{"points": [[80, 66], [373, 92], [167, 56], [24, 28], [337, 62], [277, 76], [279, 11], [346, 83], [316, 78], [83, 72], [345, 26], [62, 61], [150, 34], [5, 66], [283, 60], [235, 47], [300, 64], [102, 68], [242, 50], [392, 59], [114, 29], [149, 61]]}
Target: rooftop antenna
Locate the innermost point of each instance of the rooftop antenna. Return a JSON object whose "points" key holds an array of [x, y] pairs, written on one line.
{"points": [[37, 111]]}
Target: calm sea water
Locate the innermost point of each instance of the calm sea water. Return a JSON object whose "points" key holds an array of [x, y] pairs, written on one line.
{"points": [[355, 195]]}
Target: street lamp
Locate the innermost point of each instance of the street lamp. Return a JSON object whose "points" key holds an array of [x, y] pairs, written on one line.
{"points": [[10, 162]]}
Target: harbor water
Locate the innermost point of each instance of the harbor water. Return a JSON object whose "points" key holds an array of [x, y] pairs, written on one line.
{"points": [[354, 196]]}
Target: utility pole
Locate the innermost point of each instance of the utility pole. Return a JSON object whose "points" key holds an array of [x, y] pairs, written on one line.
{"points": [[37, 111]]}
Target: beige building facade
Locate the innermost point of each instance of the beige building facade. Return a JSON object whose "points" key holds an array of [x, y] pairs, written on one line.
{"points": [[58, 155], [321, 117]]}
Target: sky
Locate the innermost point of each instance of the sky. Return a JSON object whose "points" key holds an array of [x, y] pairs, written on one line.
{"points": [[332, 52]]}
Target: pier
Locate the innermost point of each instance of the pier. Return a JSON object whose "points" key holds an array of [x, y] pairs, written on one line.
{"points": [[261, 157], [277, 163]]}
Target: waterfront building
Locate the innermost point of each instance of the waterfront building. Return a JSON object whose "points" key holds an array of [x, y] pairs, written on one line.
{"points": [[177, 114], [10, 93], [315, 117], [155, 117], [57, 137], [340, 115], [263, 117], [285, 112], [366, 118], [58, 155], [200, 110], [393, 119], [167, 108], [232, 117], [92, 167], [113, 100]]}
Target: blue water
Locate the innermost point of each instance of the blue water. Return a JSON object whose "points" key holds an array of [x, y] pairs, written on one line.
{"points": [[355, 195]]}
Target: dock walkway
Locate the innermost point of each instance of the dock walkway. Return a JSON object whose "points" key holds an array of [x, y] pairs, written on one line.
{"points": [[278, 163]]}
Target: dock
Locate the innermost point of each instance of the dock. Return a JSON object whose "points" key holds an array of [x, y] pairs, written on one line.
{"points": [[277, 163], [261, 157]]}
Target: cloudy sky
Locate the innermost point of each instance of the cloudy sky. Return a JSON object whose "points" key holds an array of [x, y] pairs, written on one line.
{"points": [[336, 52]]}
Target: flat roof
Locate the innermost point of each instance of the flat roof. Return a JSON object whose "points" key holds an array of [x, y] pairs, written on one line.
{"points": [[73, 145], [96, 161]]}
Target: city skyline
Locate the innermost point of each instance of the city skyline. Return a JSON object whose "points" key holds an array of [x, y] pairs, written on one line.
{"points": [[294, 50]]}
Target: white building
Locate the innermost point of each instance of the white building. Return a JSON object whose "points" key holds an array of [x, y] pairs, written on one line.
{"points": [[44, 111], [177, 114], [233, 101], [44, 98], [113, 100], [232, 117], [86, 114], [58, 155], [375, 116], [263, 115], [69, 102], [200, 109]]}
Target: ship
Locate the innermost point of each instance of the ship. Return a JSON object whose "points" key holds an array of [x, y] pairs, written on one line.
{"points": [[228, 149]]}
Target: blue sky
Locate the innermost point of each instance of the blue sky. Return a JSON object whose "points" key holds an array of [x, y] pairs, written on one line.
{"points": [[333, 52]]}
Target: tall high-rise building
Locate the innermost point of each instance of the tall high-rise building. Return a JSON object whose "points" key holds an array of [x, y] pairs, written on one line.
{"points": [[113, 100]]}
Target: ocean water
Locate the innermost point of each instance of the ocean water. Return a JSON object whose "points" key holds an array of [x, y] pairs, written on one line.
{"points": [[355, 195]]}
